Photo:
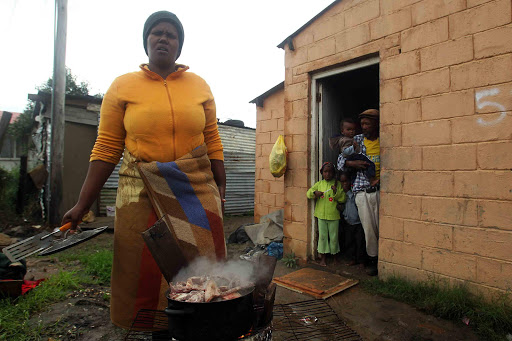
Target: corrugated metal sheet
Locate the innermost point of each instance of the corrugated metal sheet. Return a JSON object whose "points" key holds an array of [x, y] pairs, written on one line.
{"points": [[113, 179], [107, 198], [239, 161]]}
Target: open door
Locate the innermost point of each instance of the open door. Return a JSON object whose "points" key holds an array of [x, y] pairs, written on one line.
{"points": [[342, 92]]}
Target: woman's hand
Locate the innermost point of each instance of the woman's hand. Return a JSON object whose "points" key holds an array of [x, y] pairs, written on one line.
{"points": [[74, 216], [334, 189], [97, 175], [318, 194]]}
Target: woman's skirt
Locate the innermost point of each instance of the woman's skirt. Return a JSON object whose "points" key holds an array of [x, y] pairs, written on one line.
{"points": [[137, 282]]}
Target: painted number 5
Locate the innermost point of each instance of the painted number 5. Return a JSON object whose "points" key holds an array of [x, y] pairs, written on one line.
{"points": [[480, 95]]}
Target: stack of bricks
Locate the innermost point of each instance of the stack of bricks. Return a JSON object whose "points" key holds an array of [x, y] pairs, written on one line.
{"points": [[269, 191], [446, 130]]}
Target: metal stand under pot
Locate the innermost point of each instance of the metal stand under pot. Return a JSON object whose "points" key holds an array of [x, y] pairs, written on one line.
{"points": [[225, 320]]}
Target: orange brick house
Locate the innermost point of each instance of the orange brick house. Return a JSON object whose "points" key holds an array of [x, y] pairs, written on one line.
{"points": [[441, 73]]}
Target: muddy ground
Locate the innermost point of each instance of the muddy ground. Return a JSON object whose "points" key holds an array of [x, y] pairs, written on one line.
{"points": [[84, 315]]}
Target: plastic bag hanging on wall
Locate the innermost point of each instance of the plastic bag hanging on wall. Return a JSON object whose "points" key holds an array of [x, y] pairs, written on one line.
{"points": [[277, 158]]}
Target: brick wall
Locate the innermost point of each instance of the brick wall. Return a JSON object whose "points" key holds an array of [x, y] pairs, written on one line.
{"points": [[269, 191], [446, 132]]}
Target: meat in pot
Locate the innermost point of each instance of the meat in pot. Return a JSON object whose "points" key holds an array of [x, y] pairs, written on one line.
{"points": [[203, 289]]}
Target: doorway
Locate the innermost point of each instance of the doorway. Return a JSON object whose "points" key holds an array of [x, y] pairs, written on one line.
{"points": [[342, 92]]}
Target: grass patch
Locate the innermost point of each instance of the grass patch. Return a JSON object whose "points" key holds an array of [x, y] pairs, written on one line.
{"points": [[15, 313], [92, 267], [97, 264], [490, 320]]}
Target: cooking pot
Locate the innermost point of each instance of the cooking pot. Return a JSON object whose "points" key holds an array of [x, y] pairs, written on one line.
{"points": [[220, 321]]}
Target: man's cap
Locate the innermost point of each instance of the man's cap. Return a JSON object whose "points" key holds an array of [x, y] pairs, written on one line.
{"points": [[370, 113]]}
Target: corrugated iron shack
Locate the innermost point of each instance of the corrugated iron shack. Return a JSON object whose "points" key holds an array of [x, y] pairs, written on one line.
{"points": [[239, 159]]}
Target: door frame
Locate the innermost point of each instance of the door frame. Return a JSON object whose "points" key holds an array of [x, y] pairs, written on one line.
{"points": [[317, 128]]}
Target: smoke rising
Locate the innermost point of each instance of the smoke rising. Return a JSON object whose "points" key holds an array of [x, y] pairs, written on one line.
{"points": [[202, 266]]}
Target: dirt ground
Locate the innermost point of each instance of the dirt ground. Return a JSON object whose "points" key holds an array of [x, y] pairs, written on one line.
{"points": [[84, 315]]}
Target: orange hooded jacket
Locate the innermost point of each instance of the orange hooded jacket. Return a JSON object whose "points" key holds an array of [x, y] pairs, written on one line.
{"points": [[156, 119]]}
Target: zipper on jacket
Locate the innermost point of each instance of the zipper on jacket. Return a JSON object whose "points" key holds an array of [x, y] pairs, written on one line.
{"points": [[173, 121]]}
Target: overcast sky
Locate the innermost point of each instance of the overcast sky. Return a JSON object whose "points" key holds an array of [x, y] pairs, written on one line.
{"points": [[231, 44]]}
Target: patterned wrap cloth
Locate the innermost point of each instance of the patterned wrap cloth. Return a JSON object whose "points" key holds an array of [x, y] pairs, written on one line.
{"points": [[185, 194]]}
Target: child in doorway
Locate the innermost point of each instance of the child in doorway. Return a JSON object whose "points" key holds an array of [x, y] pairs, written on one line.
{"points": [[346, 145], [355, 244], [328, 193]]}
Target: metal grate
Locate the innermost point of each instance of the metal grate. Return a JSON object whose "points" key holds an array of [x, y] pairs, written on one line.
{"points": [[153, 325], [149, 325], [312, 320]]}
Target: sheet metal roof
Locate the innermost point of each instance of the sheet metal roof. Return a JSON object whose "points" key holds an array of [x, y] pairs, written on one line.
{"points": [[259, 100]]}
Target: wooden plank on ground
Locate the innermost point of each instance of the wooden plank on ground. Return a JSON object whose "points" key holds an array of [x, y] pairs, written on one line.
{"points": [[316, 283]]}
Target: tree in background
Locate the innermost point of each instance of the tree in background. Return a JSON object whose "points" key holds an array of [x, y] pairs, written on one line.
{"points": [[21, 129], [73, 87], [21, 132]]}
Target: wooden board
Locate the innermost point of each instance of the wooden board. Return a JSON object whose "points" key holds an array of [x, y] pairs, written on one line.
{"points": [[165, 249], [316, 283]]}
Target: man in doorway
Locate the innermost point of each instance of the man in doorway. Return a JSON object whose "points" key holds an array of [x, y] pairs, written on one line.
{"points": [[366, 191]]}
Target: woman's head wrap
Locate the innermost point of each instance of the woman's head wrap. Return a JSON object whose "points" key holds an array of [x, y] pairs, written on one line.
{"points": [[158, 17]]}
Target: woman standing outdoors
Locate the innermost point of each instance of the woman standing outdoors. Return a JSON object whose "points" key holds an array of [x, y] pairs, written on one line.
{"points": [[159, 113]]}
